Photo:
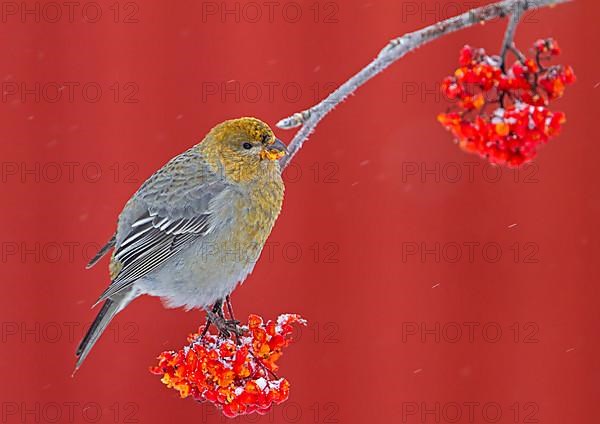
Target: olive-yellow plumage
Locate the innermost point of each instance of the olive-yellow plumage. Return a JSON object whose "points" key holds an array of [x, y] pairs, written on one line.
{"points": [[196, 227]]}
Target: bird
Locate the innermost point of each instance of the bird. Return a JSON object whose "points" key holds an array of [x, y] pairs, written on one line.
{"points": [[196, 227]]}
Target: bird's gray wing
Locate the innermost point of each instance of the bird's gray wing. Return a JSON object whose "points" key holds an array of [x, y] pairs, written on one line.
{"points": [[171, 209]]}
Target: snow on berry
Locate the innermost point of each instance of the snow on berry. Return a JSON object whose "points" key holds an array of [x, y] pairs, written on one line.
{"points": [[237, 378], [503, 114]]}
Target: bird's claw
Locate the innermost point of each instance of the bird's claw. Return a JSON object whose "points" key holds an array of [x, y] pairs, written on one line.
{"points": [[226, 327]]}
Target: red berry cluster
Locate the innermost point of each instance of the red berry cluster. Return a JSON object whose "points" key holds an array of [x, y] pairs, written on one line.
{"points": [[503, 113], [234, 377]]}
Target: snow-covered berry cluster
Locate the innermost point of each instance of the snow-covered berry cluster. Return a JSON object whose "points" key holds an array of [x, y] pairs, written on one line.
{"points": [[237, 378], [503, 114]]}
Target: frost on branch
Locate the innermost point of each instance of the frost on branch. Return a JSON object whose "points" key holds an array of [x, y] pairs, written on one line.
{"points": [[503, 115], [237, 378]]}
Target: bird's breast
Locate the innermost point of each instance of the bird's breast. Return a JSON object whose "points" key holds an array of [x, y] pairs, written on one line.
{"points": [[256, 213]]}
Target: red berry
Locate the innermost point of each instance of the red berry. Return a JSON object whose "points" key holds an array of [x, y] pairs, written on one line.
{"points": [[466, 55]]}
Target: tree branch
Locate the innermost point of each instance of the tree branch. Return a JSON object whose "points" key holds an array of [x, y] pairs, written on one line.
{"points": [[396, 49]]}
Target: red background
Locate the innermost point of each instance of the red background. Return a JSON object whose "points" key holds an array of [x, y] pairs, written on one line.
{"points": [[353, 206]]}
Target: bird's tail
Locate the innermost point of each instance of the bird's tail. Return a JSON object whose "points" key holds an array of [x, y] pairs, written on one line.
{"points": [[110, 308]]}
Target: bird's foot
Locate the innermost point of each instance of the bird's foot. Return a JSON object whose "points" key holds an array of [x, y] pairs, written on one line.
{"points": [[226, 327]]}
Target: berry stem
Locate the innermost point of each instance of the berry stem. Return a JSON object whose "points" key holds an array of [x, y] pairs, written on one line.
{"points": [[509, 35], [518, 54], [230, 310], [263, 365]]}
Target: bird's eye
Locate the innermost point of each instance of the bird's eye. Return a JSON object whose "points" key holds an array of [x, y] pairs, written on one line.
{"points": [[247, 146]]}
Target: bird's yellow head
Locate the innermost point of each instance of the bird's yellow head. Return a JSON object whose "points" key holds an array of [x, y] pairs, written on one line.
{"points": [[245, 148]]}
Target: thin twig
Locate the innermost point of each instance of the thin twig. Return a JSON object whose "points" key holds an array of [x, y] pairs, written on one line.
{"points": [[393, 51], [230, 310], [262, 364], [509, 35], [508, 42], [518, 54]]}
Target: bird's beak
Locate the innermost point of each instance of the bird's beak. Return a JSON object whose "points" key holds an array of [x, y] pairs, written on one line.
{"points": [[274, 151]]}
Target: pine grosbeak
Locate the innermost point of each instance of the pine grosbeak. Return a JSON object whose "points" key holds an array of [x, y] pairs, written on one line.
{"points": [[196, 227]]}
